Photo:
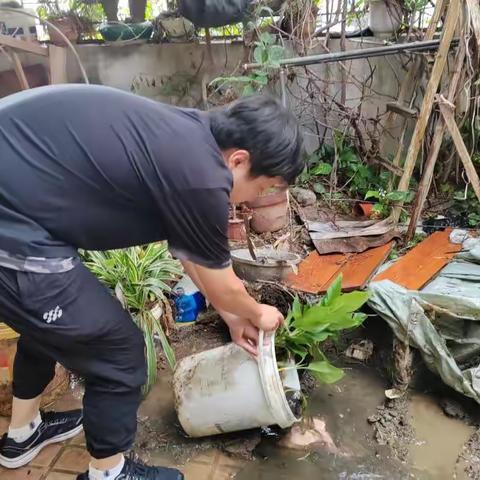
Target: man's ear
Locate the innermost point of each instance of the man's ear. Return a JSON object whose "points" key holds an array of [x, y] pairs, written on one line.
{"points": [[238, 159]]}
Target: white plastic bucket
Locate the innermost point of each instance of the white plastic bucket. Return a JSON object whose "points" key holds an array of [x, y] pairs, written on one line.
{"points": [[225, 390]]}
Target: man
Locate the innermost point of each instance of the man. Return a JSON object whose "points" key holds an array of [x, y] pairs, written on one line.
{"points": [[95, 168]]}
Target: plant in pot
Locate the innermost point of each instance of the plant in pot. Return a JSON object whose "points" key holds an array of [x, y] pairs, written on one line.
{"points": [[172, 26], [140, 277], [300, 19], [306, 327], [224, 389], [72, 19]]}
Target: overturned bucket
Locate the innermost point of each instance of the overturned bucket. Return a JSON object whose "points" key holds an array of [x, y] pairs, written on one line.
{"points": [[225, 390]]}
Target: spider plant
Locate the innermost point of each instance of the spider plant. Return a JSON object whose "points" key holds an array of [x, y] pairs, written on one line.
{"points": [[307, 326], [140, 277]]}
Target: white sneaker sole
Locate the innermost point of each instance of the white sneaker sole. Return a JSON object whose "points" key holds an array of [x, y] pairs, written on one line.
{"points": [[27, 457]]}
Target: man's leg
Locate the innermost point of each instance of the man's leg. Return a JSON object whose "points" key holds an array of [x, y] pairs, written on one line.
{"points": [[93, 336], [32, 372]]}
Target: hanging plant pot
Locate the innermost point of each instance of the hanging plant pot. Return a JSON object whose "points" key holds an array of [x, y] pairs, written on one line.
{"points": [[269, 211], [175, 28], [69, 26], [385, 17], [8, 348]]}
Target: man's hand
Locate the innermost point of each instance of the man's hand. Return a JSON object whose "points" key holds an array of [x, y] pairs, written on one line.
{"points": [[243, 332], [269, 319]]}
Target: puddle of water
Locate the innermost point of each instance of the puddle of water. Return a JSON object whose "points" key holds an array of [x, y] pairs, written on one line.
{"points": [[439, 440], [345, 408]]}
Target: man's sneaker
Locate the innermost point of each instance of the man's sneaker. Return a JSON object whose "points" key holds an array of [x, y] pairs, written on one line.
{"points": [[137, 471], [55, 427]]}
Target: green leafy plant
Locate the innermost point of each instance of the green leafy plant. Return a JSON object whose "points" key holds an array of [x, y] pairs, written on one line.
{"points": [[385, 200], [357, 177], [140, 277], [316, 167], [268, 55], [468, 207], [308, 326]]}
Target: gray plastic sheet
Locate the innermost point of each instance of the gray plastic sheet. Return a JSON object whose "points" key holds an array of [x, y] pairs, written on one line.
{"points": [[442, 321]]}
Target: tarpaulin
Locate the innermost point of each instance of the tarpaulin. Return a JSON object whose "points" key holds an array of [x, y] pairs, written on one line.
{"points": [[442, 320]]}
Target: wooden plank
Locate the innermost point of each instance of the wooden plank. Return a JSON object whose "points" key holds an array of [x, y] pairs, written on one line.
{"points": [[423, 262], [58, 64], [361, 267], [17, 65], [428, 100], [448, 115], [24, 45], [317, 272], [434, 150]]}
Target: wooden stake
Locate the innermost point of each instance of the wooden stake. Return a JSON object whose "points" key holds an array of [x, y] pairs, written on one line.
{"points": [[58, 64], [17, 65], [409, 82], [426, 181], [447, 110], [428, 100]]}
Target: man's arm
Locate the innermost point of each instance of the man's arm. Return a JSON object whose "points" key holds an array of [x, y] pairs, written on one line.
{"points": [[228, 295]]}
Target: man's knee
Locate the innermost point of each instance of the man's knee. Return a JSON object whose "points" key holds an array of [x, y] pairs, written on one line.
{"points": [[130, 360], [138, 361]]}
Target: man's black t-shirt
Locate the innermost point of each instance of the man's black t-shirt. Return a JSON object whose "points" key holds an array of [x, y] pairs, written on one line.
{"points": [[96, 168]]}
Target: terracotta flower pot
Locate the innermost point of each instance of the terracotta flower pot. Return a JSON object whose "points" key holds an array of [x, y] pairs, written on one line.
{"points": [[363, 209], [8, 348], [236, 230], [269, 211], [68, 26]]}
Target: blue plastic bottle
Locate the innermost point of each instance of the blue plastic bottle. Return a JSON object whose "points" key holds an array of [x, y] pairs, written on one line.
{"points": [[189, 301]]}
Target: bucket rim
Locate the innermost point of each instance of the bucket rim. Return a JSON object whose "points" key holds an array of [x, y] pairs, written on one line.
{"points": [[272, 383]]}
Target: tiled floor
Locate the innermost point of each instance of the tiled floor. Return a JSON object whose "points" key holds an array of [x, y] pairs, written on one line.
{"points": [[65, 461]]}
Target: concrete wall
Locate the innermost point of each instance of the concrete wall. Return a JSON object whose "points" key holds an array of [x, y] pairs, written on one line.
{"points": [[178, 74], [172, 72]]}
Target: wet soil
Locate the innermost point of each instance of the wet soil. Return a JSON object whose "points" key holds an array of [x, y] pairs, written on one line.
{"points": [[392, 426], [429, 434]]}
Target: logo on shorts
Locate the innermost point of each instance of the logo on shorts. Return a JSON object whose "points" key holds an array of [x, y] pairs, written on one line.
{"points": [[52, 315]]}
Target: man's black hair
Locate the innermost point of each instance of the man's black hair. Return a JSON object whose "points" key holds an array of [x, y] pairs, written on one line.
{"points": [[267, 130]]}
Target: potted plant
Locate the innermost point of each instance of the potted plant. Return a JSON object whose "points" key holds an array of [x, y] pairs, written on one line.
{"points": [[172, 26], [306, 327], [139, 277], [270, 210], [224, 389], [300, 19], [72, 19]]}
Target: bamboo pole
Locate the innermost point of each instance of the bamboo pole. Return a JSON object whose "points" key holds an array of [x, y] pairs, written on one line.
{"points": [[434, 150], [447, 110], [17, 65], [428, 100]]}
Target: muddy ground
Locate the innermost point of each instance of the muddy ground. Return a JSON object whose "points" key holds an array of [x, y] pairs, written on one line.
{"points": [[429, 434]]}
